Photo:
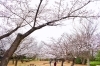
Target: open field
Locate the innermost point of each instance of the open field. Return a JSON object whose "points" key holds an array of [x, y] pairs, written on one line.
{"points": [[41, 63]]}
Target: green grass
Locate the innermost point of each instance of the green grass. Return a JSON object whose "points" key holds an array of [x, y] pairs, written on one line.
{"points": [[94, 63]]}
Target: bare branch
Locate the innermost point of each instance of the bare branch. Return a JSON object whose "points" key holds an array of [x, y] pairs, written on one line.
{"points": [[79, 7], [9, 33], [15, 14], [37, 12]]}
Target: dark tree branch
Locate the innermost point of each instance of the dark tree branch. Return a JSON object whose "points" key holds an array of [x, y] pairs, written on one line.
{"points": [[37, 12], [9, 33]]}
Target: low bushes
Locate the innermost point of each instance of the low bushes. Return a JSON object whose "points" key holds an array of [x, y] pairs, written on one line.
{"points": [[78, 61]]}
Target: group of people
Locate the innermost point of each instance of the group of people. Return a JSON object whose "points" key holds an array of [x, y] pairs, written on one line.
{"points": [[55, 62]]}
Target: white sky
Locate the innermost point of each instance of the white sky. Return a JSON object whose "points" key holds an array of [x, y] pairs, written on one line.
{"points": [[48, 32]]}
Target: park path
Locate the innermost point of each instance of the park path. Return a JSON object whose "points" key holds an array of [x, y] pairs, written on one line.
{"points": [[46, 63], [43, 63]]}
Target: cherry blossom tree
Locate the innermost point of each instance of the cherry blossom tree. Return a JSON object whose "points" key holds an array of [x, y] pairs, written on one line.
{"points": [[18, 13]]}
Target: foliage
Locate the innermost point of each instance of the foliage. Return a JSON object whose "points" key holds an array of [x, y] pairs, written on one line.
{"points": [[92, 59], [94, 63], [98, 56], [27, 60], [78, 61], [46, 59]]}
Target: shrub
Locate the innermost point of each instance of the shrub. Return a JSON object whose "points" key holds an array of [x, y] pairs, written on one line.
{"points": [[78, 61], [98, 56]]}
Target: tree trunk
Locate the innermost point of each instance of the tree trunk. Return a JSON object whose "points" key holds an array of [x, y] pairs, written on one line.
{"points": [[88, 62], [62, 62], [11, 50], [17, 41], [92, 55], [13, 60], [15, 44], [21, 59], [83, 61], [16, 61], [73, 61]]}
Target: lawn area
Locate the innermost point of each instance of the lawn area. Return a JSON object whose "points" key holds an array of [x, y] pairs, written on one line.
{"points": [[94, 63], [42, 63]]}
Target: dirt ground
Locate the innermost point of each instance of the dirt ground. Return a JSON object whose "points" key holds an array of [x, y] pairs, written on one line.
{"points": [[42, 63]]}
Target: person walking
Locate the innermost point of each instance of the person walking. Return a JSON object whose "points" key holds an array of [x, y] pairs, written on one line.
{"points": [[50, 61], [55, 63]]}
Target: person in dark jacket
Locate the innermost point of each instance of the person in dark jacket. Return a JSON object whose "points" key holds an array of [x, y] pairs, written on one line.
{"points": [[55, 63]]}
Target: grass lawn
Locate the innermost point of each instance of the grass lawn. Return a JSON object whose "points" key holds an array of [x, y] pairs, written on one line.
{"points": [[94, 63], [42, 63]]}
